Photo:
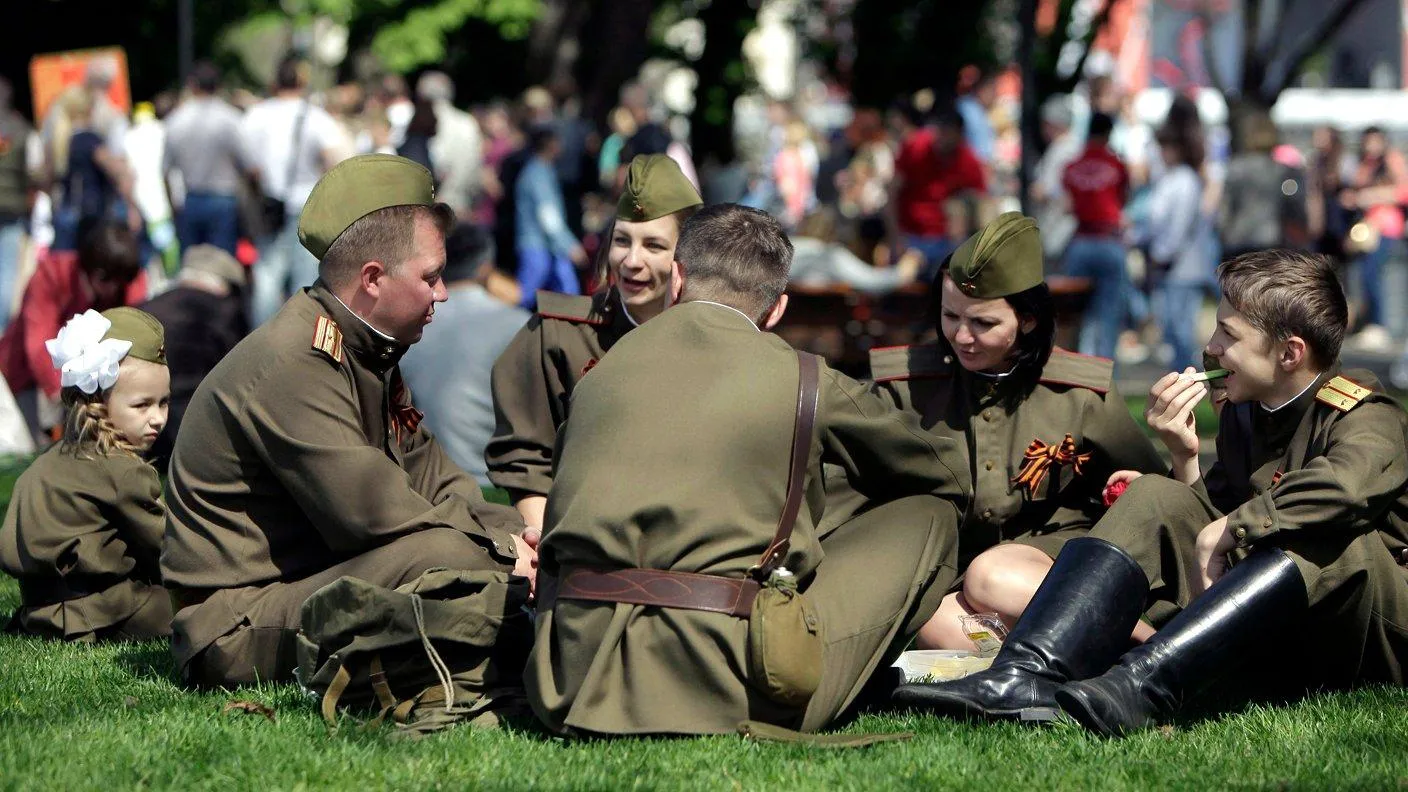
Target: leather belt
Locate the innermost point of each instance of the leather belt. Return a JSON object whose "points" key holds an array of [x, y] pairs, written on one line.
{"points": [[689, 590], [658, 588]]}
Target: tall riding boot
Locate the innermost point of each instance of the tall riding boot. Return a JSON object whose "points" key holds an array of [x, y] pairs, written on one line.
{"points": [[1076, 625], [1254, 602]]}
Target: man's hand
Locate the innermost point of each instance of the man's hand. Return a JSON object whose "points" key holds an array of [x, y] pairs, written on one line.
{"points": [[527, 563], [1214, 543], [1170, 413]]}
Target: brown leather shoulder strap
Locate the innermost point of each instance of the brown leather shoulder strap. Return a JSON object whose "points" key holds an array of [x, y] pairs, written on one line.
{"points": [[797, 472]]}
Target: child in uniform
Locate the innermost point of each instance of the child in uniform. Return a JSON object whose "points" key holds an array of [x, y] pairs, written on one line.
{"points": [[84, 528]]}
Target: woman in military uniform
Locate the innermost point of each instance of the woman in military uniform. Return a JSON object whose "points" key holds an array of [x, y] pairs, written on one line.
{"points": [[1044, 428], [534, 377]]}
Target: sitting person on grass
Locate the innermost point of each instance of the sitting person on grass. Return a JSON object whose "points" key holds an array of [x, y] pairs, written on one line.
{"points": [[84, 527], [302, 459], [1044, 428], [1302, 526]]}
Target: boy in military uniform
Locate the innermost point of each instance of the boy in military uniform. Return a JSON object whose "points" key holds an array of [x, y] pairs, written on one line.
{"points": [[302, 458], [1300, 519], [676, 463]]}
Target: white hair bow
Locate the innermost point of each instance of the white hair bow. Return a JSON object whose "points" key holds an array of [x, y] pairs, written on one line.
{"points": [[83, 357]]}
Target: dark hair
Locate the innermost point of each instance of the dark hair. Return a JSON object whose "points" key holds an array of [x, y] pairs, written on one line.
{"points": [[205, 77], [468, 247], [736, 256], [540, 136], [289, 76], [1286, 293], [108, 248], [386, 235], [1033, 348], [1189, 149], [947, 116], [1101, 125], [1372, 130], [910, 111]]}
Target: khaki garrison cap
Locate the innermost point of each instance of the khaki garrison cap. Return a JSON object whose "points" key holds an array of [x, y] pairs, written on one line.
{"points": [[655, 187], [1002, 259], [355, 188], [147, 335]]}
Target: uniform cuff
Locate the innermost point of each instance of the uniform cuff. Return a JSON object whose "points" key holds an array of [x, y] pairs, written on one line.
{"points": [[521, 481], [1253, 521]]}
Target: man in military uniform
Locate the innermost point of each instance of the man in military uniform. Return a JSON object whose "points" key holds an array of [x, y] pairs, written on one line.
{"points": [[676, 459], [1309, 496], [302, 459]]}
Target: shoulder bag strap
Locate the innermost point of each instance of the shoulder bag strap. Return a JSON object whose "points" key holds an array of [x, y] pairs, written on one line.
{"points": [[797, 473]]}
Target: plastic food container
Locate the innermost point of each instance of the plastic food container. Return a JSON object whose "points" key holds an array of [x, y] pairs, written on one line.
{"points": [[940, 665]]}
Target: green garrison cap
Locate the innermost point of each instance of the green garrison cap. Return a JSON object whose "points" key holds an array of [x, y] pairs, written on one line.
{"points": [[147, 335], [355, 188], [1002, 259], [655, 187]]}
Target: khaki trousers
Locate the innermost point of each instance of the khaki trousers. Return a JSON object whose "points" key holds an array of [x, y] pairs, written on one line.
{"points": [[1357, 626], [883, 576], [261, 647]]}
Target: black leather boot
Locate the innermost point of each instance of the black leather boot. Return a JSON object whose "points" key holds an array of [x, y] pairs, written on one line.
{"points": [[1251, 604], [1076, 625]]}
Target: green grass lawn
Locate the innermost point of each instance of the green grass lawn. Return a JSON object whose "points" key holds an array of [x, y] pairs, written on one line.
{"points": [[111, 716]]}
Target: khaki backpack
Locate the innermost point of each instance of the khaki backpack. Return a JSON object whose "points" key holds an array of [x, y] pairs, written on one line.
{"points": [[449, 647]]}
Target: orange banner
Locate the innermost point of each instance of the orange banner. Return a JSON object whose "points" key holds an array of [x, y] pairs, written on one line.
{"points": [[53, 73]]}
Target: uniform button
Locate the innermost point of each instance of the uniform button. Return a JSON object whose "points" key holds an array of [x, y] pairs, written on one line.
{"points": [[988, 465], [987, 514], [948, 359], [987, 415], [1240, 534], [1264, 524]]}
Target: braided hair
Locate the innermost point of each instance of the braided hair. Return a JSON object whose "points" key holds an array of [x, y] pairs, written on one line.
{"points": [[86, 426]]}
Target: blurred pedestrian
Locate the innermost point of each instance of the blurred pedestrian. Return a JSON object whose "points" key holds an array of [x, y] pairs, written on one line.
{"points": [[1177, 244], [547, 251], [456, 398], [203, 146], [1263, 202], [1097, 185], [934, 164], [456, 148], [1377, 194], [416, 140], [96, 184], [204, 318], [105, 272], [288, 144], [1063, 146], [19, 172]]}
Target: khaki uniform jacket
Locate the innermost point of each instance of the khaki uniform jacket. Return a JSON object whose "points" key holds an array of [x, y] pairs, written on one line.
{"points": [[1075, 396], [289, 461], [1313, 467], [534, 378], [676, 458], [83, 535]]}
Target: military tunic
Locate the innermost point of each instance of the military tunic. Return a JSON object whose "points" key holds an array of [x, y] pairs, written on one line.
{"points": [[82, 536], [534, 378], [1059, 497], [1324, 478], [676, 458], [300, 459]]}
